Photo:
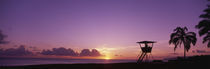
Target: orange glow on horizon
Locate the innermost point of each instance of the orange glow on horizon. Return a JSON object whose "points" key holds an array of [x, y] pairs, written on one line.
{"points": [[107, 58]]}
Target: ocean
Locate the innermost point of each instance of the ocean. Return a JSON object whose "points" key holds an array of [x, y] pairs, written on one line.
{"points": [[39, 61]]}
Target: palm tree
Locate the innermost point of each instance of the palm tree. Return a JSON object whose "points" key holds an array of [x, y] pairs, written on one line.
{"points": [[181, 36], [204, 26]]}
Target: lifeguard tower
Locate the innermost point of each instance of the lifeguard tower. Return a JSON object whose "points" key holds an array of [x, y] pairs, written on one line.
{"points": [[146, 47]]}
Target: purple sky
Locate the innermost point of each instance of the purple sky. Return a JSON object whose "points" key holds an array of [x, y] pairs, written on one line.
{"points": [[110, 24]]}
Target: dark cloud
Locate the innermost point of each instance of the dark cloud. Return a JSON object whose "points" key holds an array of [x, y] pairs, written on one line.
{"points": [[200, 51], [20, 51], [35, 48], [60, 52], [87, 52], [95, 53], [2, 38]]}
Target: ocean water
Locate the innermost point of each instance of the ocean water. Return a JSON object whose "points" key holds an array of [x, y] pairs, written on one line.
{"points": [[38, 61]]}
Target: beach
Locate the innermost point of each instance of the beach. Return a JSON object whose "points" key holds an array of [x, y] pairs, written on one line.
{"points": [[196, 62], [115, 66]]}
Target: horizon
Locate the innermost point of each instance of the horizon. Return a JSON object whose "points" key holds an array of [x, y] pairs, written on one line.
{"points": [[110, 27]]}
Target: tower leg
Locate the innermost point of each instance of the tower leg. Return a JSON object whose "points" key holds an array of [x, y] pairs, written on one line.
{"points": [[141, 58]]}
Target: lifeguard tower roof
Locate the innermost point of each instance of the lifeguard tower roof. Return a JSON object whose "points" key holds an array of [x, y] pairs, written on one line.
{"points": [[146, 42]]}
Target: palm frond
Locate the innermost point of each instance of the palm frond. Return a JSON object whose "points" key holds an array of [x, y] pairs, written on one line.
{"points": [[207, 10], [204, 16], [174, 41], [206, 38], [203, 31], [191, 33], [202, 23], [185, 29], [191, 36], [187, 46], [180, 43], [173, 35]]}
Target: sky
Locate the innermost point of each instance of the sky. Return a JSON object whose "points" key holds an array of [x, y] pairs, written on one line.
{"points": [[111, 26]]}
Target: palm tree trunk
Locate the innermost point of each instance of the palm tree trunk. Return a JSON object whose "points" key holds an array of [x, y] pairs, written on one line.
{"points": [[184, 48], [184, 53]]}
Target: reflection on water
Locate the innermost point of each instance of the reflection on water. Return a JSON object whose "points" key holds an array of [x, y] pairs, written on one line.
{"points": [[37, 61]]}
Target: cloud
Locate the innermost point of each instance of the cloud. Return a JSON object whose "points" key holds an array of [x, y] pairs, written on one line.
{"points": [[87, 52], [35, 48], [200, 51], [20, 51], [95, 53], [2, 37], [60, 52]]}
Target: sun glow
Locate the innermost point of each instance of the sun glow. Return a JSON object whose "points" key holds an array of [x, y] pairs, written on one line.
{"points": [[107, 58], [107, 52]]}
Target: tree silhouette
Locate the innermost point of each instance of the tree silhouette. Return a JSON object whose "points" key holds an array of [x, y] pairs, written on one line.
{"points": [[181, 36], [204, 26]]}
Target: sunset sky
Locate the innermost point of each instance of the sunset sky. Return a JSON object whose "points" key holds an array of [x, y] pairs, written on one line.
{"points": [[111, 26]]}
